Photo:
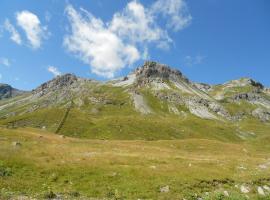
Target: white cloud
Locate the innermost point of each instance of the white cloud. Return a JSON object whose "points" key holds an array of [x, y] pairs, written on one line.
{"points": [[175, 11], [30, 23], [54, 70], [108, 47], [96, 45], [15, 36], [196, 60], [137, 25], [5, 61]]}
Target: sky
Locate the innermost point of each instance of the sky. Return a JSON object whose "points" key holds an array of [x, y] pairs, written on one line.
{"points": [[210, 41]]}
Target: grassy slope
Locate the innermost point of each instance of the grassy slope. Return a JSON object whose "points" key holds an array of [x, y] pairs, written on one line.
{"points": [[127, 169], [115, 118], [139, 160]]}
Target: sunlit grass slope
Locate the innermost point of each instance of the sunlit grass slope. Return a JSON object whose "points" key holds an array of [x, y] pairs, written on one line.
{"points": [[46, 164]]}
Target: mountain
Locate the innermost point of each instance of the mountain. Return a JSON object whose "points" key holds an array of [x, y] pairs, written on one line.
{"points": [[6, 91], [155, 101], [153, 134]]}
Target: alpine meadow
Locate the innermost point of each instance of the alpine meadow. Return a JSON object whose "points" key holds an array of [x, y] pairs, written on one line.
{"points": [[150, 100]]}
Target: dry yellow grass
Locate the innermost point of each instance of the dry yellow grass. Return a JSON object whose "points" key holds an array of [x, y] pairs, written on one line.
{"points": [[128, 169]]}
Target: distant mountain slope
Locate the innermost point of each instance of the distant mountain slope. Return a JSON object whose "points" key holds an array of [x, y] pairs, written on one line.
{"points": [[153, 102], [6, 91]]}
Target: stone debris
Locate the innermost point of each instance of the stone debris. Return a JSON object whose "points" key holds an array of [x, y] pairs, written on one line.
{"points": [[267, 188], [260, 191], [244, 189], [165, 189], [16, 144], [226, 193]]}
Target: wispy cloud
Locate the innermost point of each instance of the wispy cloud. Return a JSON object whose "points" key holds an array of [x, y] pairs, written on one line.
{"points": [[108, 47], [54, 70], [48, 16], [14, 35], [174, 11], [31, 24], [194, 60], [5, 62]]}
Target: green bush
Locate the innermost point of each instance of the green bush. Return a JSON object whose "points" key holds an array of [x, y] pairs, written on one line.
{"points": [[5, 171]]}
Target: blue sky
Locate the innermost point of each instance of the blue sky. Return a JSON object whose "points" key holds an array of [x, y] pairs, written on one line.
{"points": [[210, 41]]}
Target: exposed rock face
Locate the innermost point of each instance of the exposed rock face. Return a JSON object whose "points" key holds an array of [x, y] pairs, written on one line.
{"points": [[6, 91], [140, 104], [254, 98], [206, 105], [247, 96], [152, 71], [262, 114], [202, 86], [245, 82], [57, 83]]}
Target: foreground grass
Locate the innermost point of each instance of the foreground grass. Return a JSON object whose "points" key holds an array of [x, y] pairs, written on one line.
{"points": [[46, 164]]}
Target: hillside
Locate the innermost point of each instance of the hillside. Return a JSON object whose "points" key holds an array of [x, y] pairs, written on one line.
{"points": [[153, 102], [42, 165], [6, 91], [153, 134]]}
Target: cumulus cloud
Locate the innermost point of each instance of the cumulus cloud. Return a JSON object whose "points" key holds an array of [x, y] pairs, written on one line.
{"points": [[96, 45], [5, 62], [30, 23], [15, 36], [54, 70], [137, 25], [108, 47]]}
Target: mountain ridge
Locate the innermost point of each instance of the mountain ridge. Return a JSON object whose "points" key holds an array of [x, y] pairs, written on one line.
{"points": [[151, 92], [147, 63], [7, 91]]}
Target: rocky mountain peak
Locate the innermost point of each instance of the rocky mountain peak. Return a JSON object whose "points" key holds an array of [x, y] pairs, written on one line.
{"points": [[6, 91], [57, 83], [153, 70]]}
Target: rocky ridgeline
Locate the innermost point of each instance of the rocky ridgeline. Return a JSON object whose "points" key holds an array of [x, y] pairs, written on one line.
{"points": [[166, 84], [151, 71], [245, 82], [6, 91], [56, 84]]}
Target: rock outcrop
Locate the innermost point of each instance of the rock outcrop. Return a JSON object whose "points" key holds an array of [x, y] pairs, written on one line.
{"points": [[6, 91], [58, 83], [262, 114], [151, 71], [244, 82]]}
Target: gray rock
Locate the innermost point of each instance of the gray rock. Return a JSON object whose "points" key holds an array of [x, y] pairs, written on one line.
{"points": [[6, 91], [57, 83], [152, 71], [244, 189], [262, 114], [247, 96], [203, 87], [260, 191], [165, 189]]}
